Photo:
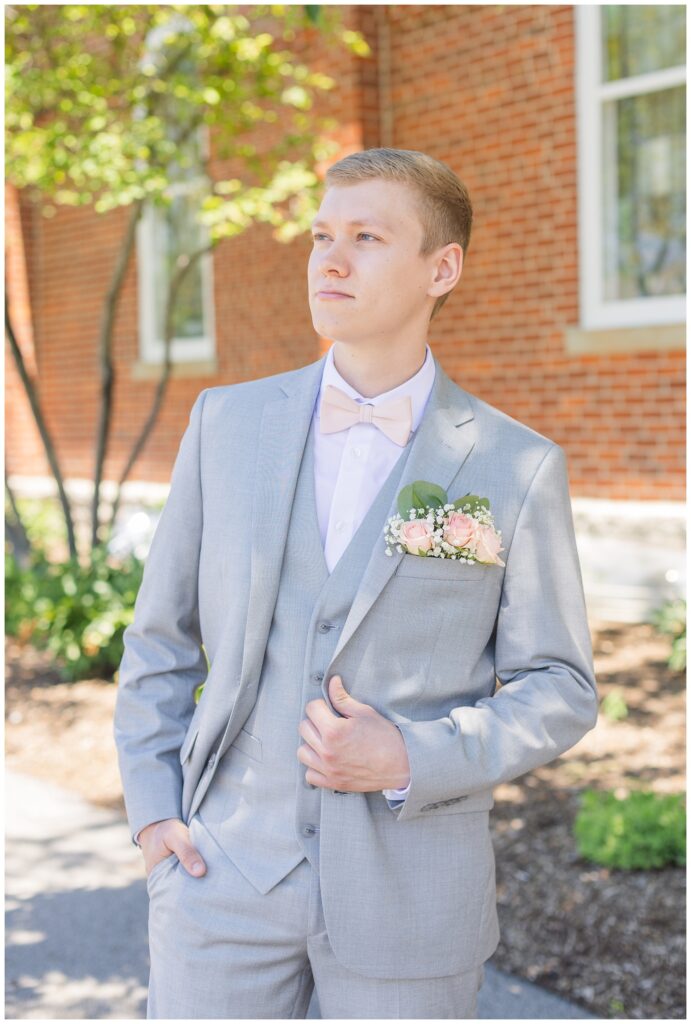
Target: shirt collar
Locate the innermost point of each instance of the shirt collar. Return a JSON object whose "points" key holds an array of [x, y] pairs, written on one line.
{"points": [[418, 387]]}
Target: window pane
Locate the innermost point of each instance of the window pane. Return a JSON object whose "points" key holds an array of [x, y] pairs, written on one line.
{"points": [[176, 232], [636, 40], [644, 173]]}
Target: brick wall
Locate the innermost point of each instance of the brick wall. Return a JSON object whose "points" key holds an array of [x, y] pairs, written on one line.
{"points": [[487, 89], [490, 90]]}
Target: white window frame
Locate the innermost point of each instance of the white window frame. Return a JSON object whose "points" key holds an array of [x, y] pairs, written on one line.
{"points": [[151, 343], [596, 312]]}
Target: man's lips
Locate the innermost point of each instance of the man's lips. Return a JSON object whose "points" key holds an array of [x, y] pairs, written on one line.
{"points": [[333, 295]]}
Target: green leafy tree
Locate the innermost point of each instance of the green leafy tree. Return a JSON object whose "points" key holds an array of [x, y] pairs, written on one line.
{"points": [[104, 108]]}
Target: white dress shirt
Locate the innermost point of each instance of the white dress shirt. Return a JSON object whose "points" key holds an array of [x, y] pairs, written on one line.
{"points": [[351, 465]]}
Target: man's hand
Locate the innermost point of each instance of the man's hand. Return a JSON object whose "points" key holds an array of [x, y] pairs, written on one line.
{"points": [[360, 753], [160, 839]]}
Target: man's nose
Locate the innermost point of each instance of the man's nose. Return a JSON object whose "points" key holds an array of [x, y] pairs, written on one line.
{"points": [[333, 258]]}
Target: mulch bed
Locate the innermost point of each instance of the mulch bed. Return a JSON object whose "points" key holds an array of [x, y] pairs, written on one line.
{"points": [[612, 941]]}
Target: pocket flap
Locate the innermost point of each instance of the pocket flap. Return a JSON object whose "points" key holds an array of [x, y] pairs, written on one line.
{"points": [[451, 569]]}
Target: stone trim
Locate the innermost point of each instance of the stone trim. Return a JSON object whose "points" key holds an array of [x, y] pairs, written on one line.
{"points": [[578, 340]]}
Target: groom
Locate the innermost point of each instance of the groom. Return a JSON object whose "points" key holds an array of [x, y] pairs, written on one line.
{"points": [[321, 816]]}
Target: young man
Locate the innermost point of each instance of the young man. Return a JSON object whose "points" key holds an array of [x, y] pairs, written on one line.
{"points": [[321, 818]]}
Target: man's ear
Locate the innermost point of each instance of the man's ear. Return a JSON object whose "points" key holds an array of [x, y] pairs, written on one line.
{"points": [[447, 269]]}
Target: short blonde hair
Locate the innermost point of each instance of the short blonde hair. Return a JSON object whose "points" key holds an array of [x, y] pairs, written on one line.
{"points": [[444, 203]]}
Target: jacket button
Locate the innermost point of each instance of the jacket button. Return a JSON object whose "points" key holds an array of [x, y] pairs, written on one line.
{"points": [[309, 830], [324, 627], [317, 677]]}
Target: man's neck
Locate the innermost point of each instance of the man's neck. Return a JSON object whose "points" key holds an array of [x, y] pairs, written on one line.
{"points": [[374, 373]]}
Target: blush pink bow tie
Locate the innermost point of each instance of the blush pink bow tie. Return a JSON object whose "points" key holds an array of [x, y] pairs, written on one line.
{"points": [[339, 411]]}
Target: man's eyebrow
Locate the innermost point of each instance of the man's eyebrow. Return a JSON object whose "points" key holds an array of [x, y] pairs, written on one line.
{"points": [[354, 223]]}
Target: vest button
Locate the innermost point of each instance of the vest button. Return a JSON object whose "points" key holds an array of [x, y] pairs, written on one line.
{"points": [[309, 830], [318, 676], [324, 627]]}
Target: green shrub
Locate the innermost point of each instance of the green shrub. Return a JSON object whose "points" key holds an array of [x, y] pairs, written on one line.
{"points": [[643, 830], [670, 618], [43, 521], [77, 613]]}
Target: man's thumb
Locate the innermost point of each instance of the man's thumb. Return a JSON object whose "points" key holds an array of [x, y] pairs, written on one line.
{"points": [[340, 697], [190, 858]]}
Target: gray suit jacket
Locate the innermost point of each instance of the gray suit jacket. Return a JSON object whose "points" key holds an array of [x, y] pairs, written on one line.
{"points": [[424, 868]]}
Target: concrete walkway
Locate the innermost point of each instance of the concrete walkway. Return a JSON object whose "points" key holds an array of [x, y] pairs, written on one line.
{"points": [[76, 925]]}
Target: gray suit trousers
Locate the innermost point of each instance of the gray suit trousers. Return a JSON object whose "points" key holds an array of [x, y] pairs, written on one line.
{"points": [[221, 949]]}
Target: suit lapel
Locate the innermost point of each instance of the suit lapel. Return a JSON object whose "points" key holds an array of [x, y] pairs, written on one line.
{"points": [[442, 443], [282, 437]]}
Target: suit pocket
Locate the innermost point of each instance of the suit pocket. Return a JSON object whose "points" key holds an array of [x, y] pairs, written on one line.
{"points": [[248, 744], [159, 869], [443, 569]]}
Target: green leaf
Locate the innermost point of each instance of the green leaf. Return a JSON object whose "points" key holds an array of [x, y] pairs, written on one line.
{"points": [[461, 501], [473, 500], [419, 494]]}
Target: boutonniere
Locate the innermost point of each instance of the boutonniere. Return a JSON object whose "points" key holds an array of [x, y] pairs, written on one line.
{"points": [[429, 524]]}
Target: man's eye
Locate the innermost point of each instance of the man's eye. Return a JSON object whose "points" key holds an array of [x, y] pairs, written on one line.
{"points": [[316, 237]]}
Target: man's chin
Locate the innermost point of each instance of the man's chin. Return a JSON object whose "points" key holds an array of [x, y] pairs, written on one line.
{"points": [[336, 332]]}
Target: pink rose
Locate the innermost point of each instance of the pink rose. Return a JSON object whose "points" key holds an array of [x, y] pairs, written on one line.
{"points": [[416, 536], [460, 530], [488, 545]]}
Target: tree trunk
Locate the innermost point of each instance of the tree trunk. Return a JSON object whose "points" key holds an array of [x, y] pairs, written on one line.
{"points": [[15, 531], [107, 376], [44, 433]]}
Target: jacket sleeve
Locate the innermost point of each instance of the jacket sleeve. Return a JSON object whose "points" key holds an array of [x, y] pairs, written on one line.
{"points": [[548, 698], [163, 660]]}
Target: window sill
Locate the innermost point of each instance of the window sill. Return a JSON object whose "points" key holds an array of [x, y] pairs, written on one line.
{"points": [[153, 371], [625, 339]]}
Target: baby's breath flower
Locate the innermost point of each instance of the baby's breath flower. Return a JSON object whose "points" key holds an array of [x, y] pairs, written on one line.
{"points": [[437, 519]]}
